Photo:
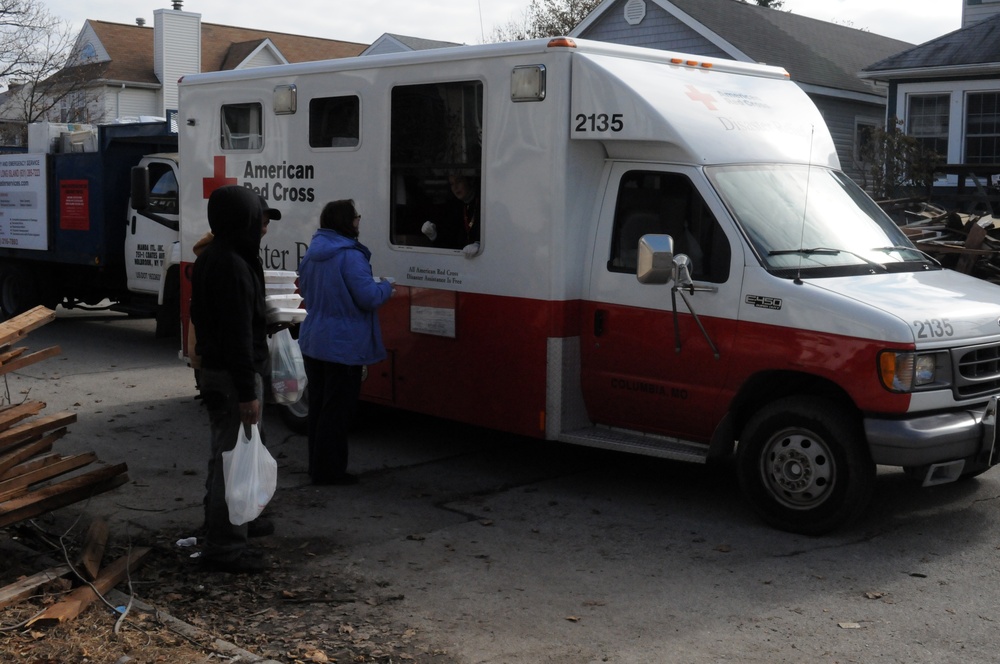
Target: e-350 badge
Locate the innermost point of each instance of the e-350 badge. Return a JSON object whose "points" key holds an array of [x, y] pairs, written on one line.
{"points": [[764, 302]]}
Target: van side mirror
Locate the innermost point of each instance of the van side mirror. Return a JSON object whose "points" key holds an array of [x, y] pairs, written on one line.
{"points": [[655, 263], [140, 187]]}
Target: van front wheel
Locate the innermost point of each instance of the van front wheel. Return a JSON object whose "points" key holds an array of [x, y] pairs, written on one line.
{"points": [[804, 465]]}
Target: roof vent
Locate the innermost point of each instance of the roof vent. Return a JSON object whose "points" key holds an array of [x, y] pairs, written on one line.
{"points": [[178, 4], [140, 22], [635, 11]]}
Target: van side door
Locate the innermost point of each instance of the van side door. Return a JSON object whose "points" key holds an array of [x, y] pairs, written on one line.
{"points": [[644, 368]]}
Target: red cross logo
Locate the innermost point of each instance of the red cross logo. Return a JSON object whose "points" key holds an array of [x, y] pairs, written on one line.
{"points": [[705, 98], [218, 178]]}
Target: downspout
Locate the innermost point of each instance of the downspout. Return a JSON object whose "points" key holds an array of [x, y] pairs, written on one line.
{"points": [[118, 104]]}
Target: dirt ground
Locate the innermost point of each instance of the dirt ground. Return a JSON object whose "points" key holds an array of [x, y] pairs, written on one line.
{"points": [[299, 611]]}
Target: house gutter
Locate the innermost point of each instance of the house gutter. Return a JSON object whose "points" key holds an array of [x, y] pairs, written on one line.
{"points": [[954, 71]]}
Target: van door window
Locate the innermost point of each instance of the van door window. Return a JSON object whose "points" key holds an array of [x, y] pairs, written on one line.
{"points": [[436, 162], [242, 127], [667, 203], [334, 122]]}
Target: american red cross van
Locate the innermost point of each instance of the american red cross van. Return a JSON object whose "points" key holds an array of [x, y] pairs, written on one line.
{"points": [[659, 255]]}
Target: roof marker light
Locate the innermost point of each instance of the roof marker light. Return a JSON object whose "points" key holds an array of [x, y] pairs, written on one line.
{"points": [[562, 42]]}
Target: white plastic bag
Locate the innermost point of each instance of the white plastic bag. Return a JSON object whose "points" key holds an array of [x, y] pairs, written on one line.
{"points": [[251, 475], [288, 372]]}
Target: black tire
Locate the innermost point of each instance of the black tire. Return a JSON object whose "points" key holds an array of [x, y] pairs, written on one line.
{"points": [[19, 292], [804, 465], [296, 415]]}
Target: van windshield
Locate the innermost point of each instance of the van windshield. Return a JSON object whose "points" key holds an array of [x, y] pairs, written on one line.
{"points": [[813, 220]]}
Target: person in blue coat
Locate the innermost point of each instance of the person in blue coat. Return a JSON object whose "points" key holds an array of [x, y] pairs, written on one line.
{"points": [[339, 336]]}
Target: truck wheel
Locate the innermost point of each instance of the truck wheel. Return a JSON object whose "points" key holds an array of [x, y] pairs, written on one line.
{"points": [[18, 292], [296, 415], [804, 465]]}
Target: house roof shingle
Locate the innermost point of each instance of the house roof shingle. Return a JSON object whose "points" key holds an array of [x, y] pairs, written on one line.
{"points": [[976, 44], [130, 48], [813, 52]]}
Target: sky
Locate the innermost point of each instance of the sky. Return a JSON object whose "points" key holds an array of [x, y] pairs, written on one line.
{"points": [[473, 21]]}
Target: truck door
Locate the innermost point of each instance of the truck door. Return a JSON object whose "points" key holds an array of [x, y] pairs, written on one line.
{"points": [[152, 233], [643, 368]]}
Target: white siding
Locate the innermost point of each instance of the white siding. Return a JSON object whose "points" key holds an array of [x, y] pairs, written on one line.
{"points": [[130, 103], [261, 58], [176, 51]]}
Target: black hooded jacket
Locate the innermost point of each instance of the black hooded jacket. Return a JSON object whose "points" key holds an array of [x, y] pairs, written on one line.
{"points": [[227, 290]]}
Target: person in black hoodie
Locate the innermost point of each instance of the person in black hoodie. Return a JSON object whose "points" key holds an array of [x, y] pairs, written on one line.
{"points": [[228, 312]]}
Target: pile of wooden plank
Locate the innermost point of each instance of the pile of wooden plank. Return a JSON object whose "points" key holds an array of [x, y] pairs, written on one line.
{"points": [[34, 479], [963, 242]]}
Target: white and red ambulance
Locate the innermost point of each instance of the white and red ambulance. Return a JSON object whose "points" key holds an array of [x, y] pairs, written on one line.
{"points": [[669, 261]]}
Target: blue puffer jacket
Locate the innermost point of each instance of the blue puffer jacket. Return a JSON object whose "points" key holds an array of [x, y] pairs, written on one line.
{"points": [[341, 298]]}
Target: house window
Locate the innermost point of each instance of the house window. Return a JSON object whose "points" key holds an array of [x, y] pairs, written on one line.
{"points": [[334, 122], [927, 121], [864, 129], [982, 128], [242, 127], [436, 151]]}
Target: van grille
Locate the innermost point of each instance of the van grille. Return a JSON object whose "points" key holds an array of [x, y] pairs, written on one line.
{"points": [[978, 371]]}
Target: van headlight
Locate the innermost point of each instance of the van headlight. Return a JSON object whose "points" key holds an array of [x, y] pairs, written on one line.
{"points": [[910, 372]]}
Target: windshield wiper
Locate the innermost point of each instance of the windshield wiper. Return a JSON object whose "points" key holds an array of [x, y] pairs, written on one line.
{"points": [[826, 251], [923, 253]]}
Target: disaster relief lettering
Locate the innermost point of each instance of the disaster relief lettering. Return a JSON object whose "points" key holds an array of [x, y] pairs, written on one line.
{"points": [[282, 259], [279, 182], [434, 275]]}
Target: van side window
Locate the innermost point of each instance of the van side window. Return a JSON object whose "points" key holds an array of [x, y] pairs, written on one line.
{"points": [[334, 122], [242, 127], [436, 161], [667, 203]]}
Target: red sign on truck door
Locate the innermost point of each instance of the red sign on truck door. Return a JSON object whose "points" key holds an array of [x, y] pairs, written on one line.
{"points": [[74, 205]]}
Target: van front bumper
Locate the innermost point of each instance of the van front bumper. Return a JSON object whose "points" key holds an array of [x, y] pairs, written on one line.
{"points": [[931, 439]]}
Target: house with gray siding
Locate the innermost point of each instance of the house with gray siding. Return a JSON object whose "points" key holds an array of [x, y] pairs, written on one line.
{"points": [[946, 93], [823, 58]]}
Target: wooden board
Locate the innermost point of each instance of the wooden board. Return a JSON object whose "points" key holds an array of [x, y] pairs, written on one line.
{"points": [[77, 601], [19, 484], [19, 326], [15, 436], [67, 492]]}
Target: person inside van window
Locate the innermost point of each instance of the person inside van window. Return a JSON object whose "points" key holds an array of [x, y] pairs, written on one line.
{"points": [[462, 231]]}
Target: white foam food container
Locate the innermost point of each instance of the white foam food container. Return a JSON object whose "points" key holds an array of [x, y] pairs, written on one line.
{"points": [[283, 301], [280, 276], [286, 315]]}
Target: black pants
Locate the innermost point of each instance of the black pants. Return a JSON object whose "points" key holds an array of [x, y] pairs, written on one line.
{"points": [[225, 541], [333, 399]]}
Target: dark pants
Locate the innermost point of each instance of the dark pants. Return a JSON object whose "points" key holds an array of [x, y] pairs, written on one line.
{"points": [[333, 399], [224, 540]]}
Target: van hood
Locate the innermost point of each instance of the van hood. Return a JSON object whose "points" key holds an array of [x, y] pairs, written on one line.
{"points": [[939, 307]]}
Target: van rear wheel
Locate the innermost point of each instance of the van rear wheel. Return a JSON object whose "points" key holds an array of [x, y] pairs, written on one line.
{"points": [[804, 465]]}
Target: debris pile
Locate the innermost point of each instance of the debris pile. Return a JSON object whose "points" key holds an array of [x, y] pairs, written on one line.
{"points": [[34, 479], [967, 243]]}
